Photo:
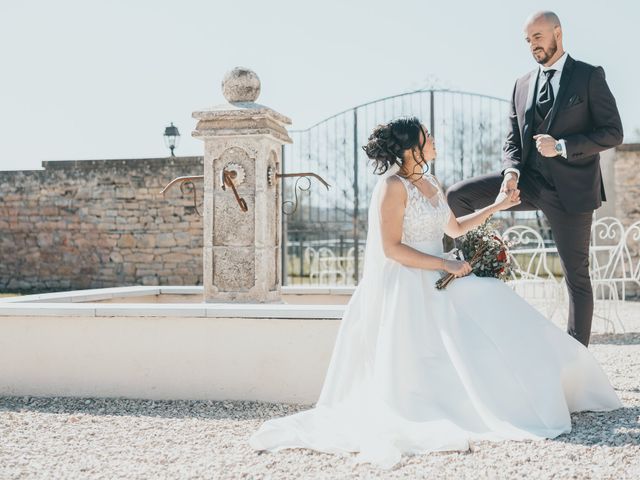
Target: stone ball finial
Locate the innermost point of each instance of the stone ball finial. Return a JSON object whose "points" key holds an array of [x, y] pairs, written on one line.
{"points": [[241, 85]]}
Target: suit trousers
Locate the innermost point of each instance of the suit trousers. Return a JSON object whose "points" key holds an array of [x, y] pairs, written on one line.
{"points": [[571, 232]]}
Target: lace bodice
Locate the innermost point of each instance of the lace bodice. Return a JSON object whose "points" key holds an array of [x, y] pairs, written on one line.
{"points": [[424, 219]]}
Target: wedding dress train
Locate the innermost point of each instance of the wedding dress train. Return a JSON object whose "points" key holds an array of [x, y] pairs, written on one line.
{"points": [[415, 369]]}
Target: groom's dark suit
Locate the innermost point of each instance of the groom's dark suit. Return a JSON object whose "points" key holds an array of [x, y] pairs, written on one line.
{"points": [[567, 190]]}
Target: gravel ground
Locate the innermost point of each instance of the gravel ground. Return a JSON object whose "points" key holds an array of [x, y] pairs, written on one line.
{"points": [[49, 438]]}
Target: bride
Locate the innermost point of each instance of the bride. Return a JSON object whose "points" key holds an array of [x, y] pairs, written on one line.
{"points": [[415, 369]]}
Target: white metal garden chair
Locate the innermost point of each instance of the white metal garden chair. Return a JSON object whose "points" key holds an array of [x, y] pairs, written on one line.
{"points": [[607, 269], [531, 276], [351, 263], [324, 266], [630, 258]]}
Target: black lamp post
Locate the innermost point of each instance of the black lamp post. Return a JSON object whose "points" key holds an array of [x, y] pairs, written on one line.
{"points": [[171, 137]]}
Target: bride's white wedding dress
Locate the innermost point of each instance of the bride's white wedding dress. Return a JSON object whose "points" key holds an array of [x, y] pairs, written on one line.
{"points": [[416, 369]]}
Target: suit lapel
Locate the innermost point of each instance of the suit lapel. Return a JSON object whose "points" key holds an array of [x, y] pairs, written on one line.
{"points": [[529, 112], [567, 71]]}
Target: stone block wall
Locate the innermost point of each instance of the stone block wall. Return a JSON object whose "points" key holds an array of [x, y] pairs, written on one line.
{"points": [[99, 223], [627, 199], [627, 183]]}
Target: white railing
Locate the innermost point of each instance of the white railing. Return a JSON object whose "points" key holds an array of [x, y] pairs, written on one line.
{"points": [[531, 276], [607, 237], [328, 268], [614, 265]]}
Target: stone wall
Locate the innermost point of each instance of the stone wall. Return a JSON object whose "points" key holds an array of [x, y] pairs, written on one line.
{"points": [[99, 223], [627, 183], [607, 166]]}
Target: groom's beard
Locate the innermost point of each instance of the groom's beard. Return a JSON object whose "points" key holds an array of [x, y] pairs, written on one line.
{"points": [[548, 53]]}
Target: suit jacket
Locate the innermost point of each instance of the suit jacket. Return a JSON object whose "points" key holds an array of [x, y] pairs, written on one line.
{"points": [[585, 115]]}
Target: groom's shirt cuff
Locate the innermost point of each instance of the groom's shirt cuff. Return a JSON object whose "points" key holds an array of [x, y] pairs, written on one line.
{"points": [[564, 147], [514, 170]]}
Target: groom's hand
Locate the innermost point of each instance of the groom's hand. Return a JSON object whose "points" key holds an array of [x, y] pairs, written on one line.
{"points": [[546, 145], [510, 185]]}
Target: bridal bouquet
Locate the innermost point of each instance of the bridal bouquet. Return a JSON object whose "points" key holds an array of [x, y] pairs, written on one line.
{"points": [[488, 254]]}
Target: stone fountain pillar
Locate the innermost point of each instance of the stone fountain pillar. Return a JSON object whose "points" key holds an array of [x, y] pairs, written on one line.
{"points": [[241, 256]]}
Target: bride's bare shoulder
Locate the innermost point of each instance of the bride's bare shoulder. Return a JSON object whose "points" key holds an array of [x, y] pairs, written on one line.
{"points": [[393, 183], [393, 188]]}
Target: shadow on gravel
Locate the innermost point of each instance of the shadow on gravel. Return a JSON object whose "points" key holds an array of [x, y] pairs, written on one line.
{"points": [[631, 338], [205, 409], [618, 428]]}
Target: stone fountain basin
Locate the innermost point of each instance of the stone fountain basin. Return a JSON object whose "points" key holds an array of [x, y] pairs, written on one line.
{"points": [[165, 343]]}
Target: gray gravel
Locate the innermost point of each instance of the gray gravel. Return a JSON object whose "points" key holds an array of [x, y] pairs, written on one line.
{"points": [[69, 438]]}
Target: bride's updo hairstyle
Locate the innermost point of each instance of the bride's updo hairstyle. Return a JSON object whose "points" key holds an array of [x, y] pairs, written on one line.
{"points": [[388, 143]]}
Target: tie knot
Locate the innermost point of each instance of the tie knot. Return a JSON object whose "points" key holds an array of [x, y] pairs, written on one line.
{"points": [[549, 74]]}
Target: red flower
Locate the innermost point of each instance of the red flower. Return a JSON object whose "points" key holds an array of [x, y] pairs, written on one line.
{"points": [[502, 256]]}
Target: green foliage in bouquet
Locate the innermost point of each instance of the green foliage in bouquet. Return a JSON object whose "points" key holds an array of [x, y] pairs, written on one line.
{"points": [[494, 260]]}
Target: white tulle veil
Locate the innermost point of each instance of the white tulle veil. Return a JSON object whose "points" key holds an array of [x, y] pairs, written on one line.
{"points": [[354, 351]]}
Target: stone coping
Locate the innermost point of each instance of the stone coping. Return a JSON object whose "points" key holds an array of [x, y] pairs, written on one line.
{"points": [[49, 164], [73, 296], [251, 110], [78, 303], [629, 147]]}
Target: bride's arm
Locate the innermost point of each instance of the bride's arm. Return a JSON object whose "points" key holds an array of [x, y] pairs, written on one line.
{"points": [[461, 225], [392, 205]]}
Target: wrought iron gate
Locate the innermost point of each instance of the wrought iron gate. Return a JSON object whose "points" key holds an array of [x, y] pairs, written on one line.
{"points": [[323, 240]]}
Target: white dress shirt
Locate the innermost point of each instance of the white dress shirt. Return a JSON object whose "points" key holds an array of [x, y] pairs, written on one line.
{"points": [[558, 66]]}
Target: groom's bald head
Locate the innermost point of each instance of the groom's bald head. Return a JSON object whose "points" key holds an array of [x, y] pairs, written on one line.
{"points": [[546, 17], [543, 33]]}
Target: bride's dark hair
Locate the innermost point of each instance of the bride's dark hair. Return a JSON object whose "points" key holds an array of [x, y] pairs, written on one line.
{"points": [[387, 143]]}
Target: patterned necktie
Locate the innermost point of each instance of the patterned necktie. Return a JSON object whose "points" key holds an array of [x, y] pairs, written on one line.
{"points": [[546, 97]]}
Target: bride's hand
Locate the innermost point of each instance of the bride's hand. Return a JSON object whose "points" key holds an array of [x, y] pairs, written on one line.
{"points": [[507, 199], [459, 268]]}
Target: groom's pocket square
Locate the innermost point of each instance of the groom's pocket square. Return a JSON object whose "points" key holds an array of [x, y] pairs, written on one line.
{"points": [[574, 100]]}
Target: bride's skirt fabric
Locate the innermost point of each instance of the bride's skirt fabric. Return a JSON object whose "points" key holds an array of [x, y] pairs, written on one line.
{"points": [[416, 369]]}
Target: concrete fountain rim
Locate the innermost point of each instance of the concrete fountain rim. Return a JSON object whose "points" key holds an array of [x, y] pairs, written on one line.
{"points": [[81, 303]]}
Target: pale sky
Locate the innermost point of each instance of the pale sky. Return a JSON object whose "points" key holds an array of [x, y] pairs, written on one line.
{"points": [[91, 79]]}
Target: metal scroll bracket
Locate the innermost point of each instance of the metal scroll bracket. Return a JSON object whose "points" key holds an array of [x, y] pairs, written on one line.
{"points": [[289, 207], [186, 183], [230, 176]]}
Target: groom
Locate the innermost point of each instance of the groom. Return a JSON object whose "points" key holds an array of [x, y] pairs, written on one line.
{"points": [[562, 115]]}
